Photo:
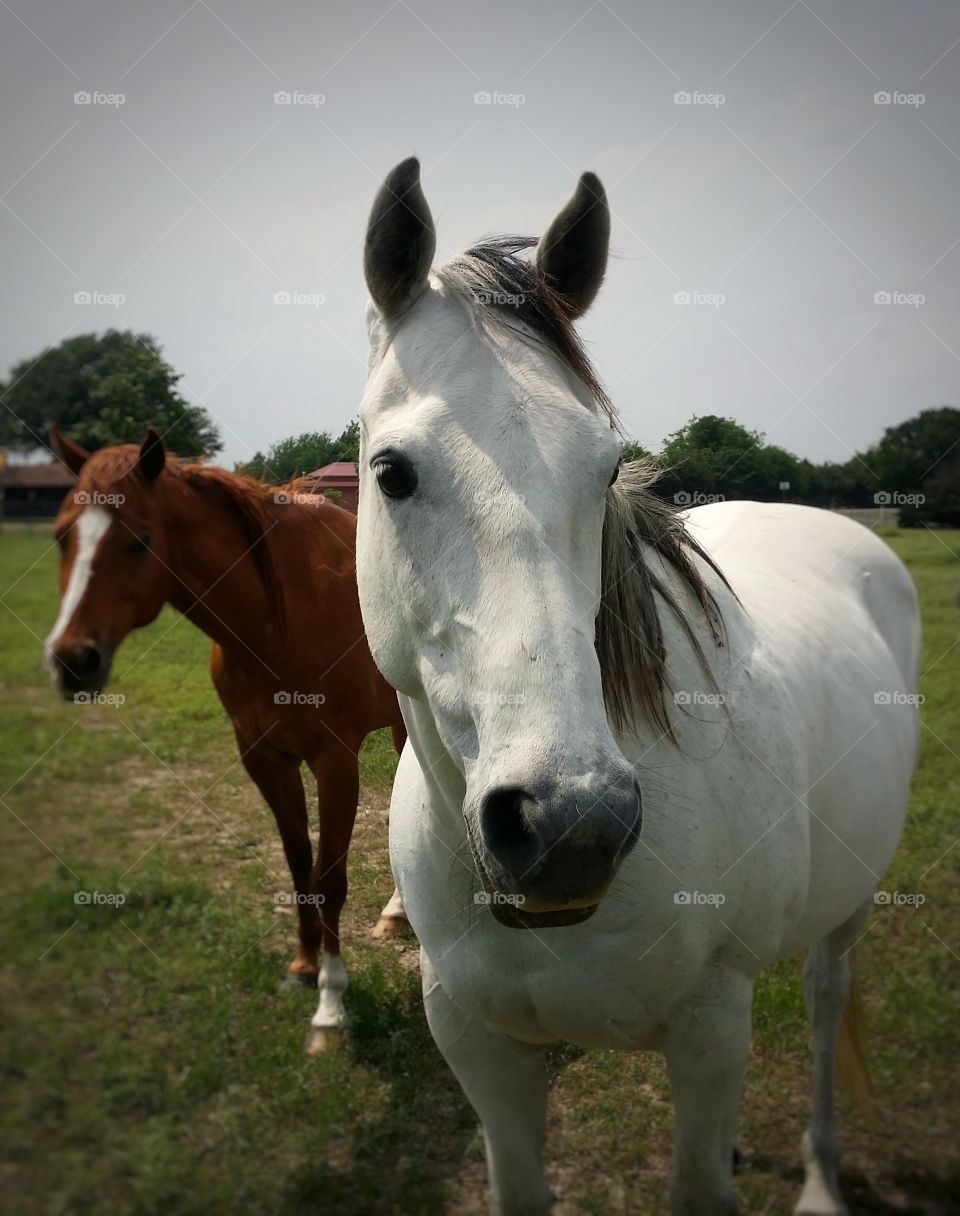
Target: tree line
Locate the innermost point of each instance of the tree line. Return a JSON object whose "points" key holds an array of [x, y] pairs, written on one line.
{"points": [[110, 388]]}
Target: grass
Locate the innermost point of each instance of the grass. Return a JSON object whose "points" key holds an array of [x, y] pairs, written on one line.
{"points": [[150, 1063]]}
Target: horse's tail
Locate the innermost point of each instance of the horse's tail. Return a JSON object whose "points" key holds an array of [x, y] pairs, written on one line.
{"points": [[852, 1071]]}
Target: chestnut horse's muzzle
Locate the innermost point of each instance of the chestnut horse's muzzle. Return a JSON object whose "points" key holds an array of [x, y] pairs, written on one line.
{"points": [[81, 668]]}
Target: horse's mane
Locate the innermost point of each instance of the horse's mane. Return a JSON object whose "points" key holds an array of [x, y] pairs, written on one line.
{"points": [[252, 503], [508, 291]]}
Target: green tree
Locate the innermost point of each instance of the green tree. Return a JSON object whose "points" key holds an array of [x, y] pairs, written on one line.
{"points": [[633, 451], [102, 390], [909, 453], [299, 454], [713, 456]]}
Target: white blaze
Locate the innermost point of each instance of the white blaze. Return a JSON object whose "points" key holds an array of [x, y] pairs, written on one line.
{"points": [[91, 527]]}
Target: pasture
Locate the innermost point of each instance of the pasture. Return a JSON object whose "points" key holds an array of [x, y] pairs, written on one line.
{"points": [[151, 1063]]}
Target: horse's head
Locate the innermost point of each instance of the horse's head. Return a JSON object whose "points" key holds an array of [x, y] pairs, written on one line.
{"points": [[486, 452], [113, 576]]}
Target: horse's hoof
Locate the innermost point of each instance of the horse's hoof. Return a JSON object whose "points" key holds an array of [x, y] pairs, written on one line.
{"points": [[296, 980], [322, 1040], [389, 927]]}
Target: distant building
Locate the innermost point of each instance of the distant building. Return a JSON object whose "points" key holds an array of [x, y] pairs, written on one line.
{"points": [[33, 491], [341, 476]]}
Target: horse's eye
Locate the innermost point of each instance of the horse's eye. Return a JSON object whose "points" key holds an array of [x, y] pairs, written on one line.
{"points": [[616, 474], [141, 544], [395, 475]]}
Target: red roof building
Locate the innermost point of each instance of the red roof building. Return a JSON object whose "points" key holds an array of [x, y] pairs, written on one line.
{"points": [[341, 476]]}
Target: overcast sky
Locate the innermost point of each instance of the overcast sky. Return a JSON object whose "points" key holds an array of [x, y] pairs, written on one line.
{"points": [[777, 202]]}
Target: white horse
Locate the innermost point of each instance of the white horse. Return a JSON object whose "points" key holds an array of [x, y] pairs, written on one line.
{"points": [[565, 646]]}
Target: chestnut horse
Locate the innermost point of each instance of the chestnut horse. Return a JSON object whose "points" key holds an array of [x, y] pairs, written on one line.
{"points": [[269, 576]]}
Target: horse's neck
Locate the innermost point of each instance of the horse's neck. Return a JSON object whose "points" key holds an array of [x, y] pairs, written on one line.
{"points": [[214, 581], [442, 776]]}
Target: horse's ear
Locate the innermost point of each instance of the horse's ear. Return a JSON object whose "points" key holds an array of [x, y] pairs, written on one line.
{"points": [[401, 240], [152, 456], [66, 451], [572, 253]]}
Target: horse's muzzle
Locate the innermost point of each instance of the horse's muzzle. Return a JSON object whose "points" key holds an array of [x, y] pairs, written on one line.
{"points": [[81, 669], [547, 852]]}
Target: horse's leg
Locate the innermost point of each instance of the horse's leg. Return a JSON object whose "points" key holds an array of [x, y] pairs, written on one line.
{"points": [[393, 920], [827, 976], [338, 791], [279, 781], [707, 1048], [506, 1084]]}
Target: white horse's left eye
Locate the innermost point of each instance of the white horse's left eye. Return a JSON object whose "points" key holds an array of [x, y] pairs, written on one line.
{"points": [[395, 475]]}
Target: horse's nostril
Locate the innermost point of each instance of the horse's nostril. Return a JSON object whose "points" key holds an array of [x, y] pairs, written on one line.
{"points": [[79, 667], [506, 829], [87, 661]]}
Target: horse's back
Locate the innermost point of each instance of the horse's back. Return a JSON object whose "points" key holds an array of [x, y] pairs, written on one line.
{"points": [[783, 558]]}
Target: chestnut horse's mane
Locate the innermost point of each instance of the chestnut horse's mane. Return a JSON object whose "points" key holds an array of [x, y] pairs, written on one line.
{"points": [[254, 506]]}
